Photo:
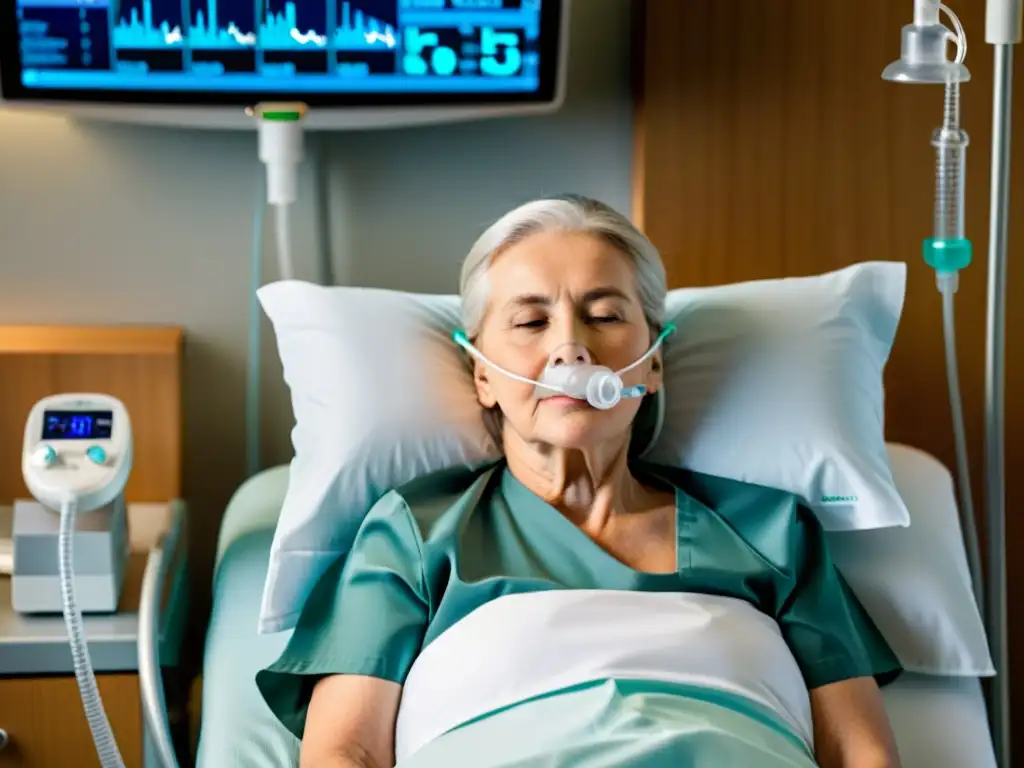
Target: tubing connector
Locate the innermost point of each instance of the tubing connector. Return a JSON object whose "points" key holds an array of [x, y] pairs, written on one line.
{"points": [[281, 147], [948, 282]]}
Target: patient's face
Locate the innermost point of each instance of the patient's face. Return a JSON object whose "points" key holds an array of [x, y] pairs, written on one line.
{"points": [[558, 296]]}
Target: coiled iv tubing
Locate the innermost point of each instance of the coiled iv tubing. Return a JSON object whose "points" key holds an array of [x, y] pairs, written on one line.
{"points": [[102, 734]]}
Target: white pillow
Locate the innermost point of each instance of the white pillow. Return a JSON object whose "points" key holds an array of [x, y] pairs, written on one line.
{"points": [[777, 382], [914, 582], [381, 395]]}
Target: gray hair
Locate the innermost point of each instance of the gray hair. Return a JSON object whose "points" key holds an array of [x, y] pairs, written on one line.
{"points": [[568, 213]]}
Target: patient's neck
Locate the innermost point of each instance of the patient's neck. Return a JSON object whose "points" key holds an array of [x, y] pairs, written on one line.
{"points": [[589, 486]]}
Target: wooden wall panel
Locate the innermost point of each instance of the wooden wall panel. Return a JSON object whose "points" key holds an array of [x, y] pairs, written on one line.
{"points": [[767, 145]]}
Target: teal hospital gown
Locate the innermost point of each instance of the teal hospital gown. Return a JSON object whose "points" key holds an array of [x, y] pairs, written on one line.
{"points": [[432, 552]]}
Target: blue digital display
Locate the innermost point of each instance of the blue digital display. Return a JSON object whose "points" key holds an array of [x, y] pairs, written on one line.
{"points": [[77, 425], [340, 52]]}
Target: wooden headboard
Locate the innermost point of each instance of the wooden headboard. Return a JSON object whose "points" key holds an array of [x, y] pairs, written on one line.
{"points": [[141, 366], [767, 145]]}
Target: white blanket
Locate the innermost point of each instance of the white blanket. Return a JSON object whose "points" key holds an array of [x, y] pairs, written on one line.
{"points": [[522, 646]]}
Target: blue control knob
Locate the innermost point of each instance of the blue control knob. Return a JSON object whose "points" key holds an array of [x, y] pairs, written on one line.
{"points": [[96, 455], [44, 457]]}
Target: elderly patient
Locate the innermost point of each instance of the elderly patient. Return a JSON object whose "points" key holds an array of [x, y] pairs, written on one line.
{"points": [[572, 605]]}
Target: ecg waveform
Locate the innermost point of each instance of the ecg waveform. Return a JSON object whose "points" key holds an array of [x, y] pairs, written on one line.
{"points": [[356, 31], [206, 32], [359, 32], [142, 33], [281, 30]]}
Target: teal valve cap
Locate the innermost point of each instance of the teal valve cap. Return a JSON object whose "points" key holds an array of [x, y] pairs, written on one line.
{"points": [[947, 254]]}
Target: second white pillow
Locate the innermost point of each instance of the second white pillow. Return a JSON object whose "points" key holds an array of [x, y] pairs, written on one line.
{"points": [[780, 383]]}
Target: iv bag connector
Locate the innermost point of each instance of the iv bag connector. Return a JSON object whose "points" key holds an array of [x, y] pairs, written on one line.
{"points": [[923, 48]]}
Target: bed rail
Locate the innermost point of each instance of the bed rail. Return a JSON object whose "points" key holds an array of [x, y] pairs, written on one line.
{"points": [[155, 585]]}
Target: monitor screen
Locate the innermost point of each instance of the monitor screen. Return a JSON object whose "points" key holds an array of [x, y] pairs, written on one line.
{"points": [[77, 425], [356, 53]]}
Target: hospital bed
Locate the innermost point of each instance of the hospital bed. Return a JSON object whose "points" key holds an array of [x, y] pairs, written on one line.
{"points": [[940, 722]]}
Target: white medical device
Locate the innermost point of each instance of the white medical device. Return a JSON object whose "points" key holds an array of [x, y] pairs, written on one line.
{"points": [[77, 447], [76, 457]]}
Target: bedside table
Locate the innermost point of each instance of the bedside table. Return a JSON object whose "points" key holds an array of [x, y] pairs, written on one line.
{"points": [[40, 708]]}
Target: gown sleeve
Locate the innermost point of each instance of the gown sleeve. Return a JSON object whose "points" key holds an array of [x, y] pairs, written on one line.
{"points": [[827, 629], [366, 616]]}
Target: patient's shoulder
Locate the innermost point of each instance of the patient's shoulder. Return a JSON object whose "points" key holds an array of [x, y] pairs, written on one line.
{"points": [[446, 495], [444, 482], [757, 513], [721, 494]]}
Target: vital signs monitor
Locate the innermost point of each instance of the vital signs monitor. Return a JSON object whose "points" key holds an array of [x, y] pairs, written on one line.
{"points": [[332, 53]]}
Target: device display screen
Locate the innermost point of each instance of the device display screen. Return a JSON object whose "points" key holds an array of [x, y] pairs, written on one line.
{"points": [[77, 425], [334, 52]]}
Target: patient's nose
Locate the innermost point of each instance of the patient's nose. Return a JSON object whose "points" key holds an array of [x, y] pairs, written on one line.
{"points": [[570, 354]]}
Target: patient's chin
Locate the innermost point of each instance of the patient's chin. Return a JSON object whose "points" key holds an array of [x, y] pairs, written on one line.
{"points": [[583, 429]]}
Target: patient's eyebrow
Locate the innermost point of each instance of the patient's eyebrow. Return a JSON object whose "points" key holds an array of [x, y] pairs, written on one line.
{"points": [[528, 300], [605, 292], [591, 296]]}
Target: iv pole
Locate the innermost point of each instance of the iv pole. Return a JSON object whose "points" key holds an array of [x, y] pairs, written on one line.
{"points": [[1002, 31]]}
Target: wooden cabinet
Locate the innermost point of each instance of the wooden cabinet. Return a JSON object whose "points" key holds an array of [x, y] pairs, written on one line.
{"points": [[45, 727]]}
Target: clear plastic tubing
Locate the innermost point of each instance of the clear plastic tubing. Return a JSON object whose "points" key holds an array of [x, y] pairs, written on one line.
{"points": [[948, 252]]}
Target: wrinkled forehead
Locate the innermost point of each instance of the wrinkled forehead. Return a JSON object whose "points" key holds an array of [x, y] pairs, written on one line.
{"points": [[558, 265]]}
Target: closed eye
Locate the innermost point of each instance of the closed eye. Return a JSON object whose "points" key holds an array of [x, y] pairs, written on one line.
{"points": [[596, 320]]}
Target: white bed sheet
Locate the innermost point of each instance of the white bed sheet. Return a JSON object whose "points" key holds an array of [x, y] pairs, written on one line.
{"points": [[939, 722]]}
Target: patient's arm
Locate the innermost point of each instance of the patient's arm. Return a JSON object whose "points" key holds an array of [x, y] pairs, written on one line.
{"points": [[851, 728], [351, 723]]}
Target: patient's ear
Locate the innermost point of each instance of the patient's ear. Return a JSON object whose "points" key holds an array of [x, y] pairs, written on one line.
{"points": [[655, 376], [483, 385]]}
